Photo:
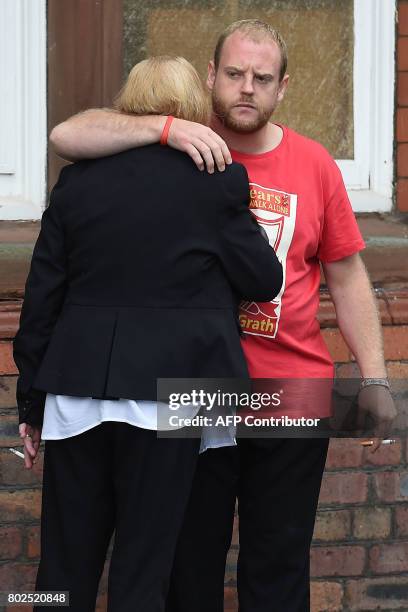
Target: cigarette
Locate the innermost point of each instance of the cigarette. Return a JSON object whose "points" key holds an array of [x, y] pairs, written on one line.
{"points": [[16, 452], [371, 442]]}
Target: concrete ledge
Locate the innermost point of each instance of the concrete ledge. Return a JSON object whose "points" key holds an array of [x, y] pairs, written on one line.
{"points": [[392, 304], [386, 255], [386, 252], [17, 239], [9, 319]]}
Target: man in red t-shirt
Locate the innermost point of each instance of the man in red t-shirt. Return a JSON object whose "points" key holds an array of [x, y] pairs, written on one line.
{"points": [[298, 196]]}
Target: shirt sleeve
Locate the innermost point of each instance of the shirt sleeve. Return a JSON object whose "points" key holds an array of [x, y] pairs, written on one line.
{"points": [[340, 235]]}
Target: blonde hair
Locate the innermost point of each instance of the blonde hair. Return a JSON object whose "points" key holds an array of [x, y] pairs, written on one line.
{"points": [[256, 30], [164, 85]]}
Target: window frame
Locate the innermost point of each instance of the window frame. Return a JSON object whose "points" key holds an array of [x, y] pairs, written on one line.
{"points": [[24, 110], [369, 176]]}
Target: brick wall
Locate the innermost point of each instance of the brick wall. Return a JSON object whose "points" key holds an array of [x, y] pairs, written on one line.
{"points": [[359, 558], [20, 504], [402, 110]]}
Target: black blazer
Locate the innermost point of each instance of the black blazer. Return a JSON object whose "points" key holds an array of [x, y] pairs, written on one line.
{"points": [[136, 275]]}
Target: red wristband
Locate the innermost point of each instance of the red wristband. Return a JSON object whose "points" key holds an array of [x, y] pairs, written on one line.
{"points": [[165, 132]]}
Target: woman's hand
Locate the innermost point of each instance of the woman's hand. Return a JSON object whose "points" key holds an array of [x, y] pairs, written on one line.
{"points": [[31, 436]]}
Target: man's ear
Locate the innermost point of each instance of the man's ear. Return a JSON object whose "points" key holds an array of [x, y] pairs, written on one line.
{"points": [[211, 75], [283, 85]]}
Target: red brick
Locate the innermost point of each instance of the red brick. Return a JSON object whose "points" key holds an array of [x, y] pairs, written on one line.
{"points": [[385, 455], [379, 226], [337, 560], [235, 533], [403, 88], [398, 305], [102, 603], [10, 542], [332, 525], [402, 195], [372, 523], [17, 577], [231, 567], [399, 290], [402, 54], [33, 535], [396, 342], [20, 505], [103, 584], [402, 125], [389, 558], [8, 391], [402, 160], [384, 312], [386, 593], [9, 435], [13, 471], [402, 18], [230, 599], [401, 520], [334, 340], [344, 488], [326, 596], [9, 318], [397, 369], [391, 486], [344, 452], [7, 365], [327, 314], [102, 598]]}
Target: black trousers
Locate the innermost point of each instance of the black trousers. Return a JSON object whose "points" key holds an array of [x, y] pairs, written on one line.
{"points": [[277, 482], [113, 477]]}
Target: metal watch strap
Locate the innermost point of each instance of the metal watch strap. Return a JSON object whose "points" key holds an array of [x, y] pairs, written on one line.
{"points": [[382, 382]]}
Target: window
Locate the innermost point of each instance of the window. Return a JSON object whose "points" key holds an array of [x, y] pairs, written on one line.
{"points": [[23, 129], [341, 62]]}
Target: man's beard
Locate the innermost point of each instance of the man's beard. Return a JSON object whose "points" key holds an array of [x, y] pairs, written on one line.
{"points": [[242, 126]]}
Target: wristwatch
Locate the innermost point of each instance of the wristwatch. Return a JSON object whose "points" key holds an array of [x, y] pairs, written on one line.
{"points": [[367, 382]]}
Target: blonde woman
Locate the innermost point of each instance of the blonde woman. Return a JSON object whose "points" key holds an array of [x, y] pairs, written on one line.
{"points": [[135, 276]]}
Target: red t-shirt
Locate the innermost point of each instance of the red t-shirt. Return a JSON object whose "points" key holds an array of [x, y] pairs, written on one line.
{"points": [[299, 198]]}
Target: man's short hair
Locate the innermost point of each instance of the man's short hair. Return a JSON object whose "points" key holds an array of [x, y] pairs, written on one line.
{"points": [[256, 30]]}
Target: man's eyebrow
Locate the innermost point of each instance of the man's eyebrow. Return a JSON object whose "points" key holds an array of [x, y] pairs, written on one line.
{"points": [[237, 68], [264, 75]]}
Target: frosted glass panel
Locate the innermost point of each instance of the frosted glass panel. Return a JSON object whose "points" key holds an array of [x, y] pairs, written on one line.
{"points": [[320, 39]]}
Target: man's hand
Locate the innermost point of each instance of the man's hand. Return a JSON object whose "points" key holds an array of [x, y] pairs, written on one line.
{"points": [[31, 437], [375, 403], [201, 143]]}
